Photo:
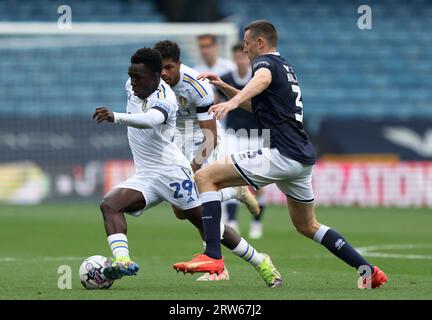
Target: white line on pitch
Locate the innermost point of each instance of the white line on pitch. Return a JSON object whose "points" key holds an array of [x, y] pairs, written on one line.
{"points": [[371, 251], [10, 259], [398, 256]]}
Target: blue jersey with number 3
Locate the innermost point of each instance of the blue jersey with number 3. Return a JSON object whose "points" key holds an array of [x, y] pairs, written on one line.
{"points": [[280, 108]]}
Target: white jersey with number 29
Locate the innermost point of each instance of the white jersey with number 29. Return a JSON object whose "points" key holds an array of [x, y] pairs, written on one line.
{"points": [[154, 148]]}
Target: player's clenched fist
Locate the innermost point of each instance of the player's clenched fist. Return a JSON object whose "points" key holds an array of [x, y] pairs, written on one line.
{"points": [[103, 114]]}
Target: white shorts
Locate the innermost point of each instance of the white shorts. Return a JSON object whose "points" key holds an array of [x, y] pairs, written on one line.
{"points": [[237, 143], [265, 166], [172, 184]]}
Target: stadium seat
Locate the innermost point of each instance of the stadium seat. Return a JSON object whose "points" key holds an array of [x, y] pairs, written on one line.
{"points": [[338, 65]]}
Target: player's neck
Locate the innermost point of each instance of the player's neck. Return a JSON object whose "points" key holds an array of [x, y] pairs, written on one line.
{"points": [[176, 80], [268, 51], [153, 89]]}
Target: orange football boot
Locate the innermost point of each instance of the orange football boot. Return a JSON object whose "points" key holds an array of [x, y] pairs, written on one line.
{"points": [[201, 263], [377, 280]]}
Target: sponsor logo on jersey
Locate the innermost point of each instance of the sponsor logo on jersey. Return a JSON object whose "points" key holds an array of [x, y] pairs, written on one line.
{"points": [[261, 63]]}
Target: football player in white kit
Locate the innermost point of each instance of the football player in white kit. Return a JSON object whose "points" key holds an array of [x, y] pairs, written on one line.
{"points": [[162, 172], [198, 135]]}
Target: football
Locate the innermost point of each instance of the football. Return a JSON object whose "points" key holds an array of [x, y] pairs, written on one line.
{"points": [[91, 275]]}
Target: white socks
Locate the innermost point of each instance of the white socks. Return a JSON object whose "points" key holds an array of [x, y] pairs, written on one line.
{"points": [[227, 194], [119, 245], [322, 230], [245, 251]]}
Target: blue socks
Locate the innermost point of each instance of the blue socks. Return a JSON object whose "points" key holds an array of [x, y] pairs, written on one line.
{"points": [[211, 218], [337, 245]]}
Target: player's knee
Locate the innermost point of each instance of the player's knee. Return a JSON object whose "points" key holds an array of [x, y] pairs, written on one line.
{"points": [[105, 207], [307, 229], [180, 215], [202, 177], [303, 229]]}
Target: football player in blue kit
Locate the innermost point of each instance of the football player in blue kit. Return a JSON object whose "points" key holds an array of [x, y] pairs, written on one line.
{"points": [[273, 95]]}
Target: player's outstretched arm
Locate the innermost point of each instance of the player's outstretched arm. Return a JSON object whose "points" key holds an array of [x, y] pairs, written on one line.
{"points": [[150, 119], [259, 82]]}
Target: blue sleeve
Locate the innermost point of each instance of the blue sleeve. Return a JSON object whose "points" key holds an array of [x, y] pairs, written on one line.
{"points": [[262, 62]]}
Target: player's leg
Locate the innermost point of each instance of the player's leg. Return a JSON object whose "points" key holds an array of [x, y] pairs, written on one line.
{"points": [[305, 222], [256, 226], [229, 237], [232, 207], [256, 141], [194, 215], [189, 215], [298, 188], [243, 195], [113, 206], [238, 246], [249, 167], [209, 179], [228, 142]]}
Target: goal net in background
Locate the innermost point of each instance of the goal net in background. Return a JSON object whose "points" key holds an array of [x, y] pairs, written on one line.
{"points": [[51, 80]]}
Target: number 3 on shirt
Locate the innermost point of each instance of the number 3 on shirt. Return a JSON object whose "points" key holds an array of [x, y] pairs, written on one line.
{"points": [[296, 89]]}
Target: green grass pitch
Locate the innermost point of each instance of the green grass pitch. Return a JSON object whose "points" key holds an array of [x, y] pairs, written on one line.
{"points": [[36, 240]]}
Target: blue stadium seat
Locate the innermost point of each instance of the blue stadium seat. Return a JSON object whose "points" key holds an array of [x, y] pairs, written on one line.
{"points": [[345, 71], [82, 10]]}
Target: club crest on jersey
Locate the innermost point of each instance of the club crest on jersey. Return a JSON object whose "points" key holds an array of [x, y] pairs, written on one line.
{"points": [[182, 101], [144, 105]]}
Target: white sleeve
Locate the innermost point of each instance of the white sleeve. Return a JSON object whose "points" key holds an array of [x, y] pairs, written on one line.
{"points": [[204, 103], [150, 119], [163, 106]]}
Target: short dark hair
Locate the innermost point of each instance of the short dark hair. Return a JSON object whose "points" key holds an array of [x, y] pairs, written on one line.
{"points": [[265, 29], [208, 35], [168, 50], [150, 58], [237, 47]]}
